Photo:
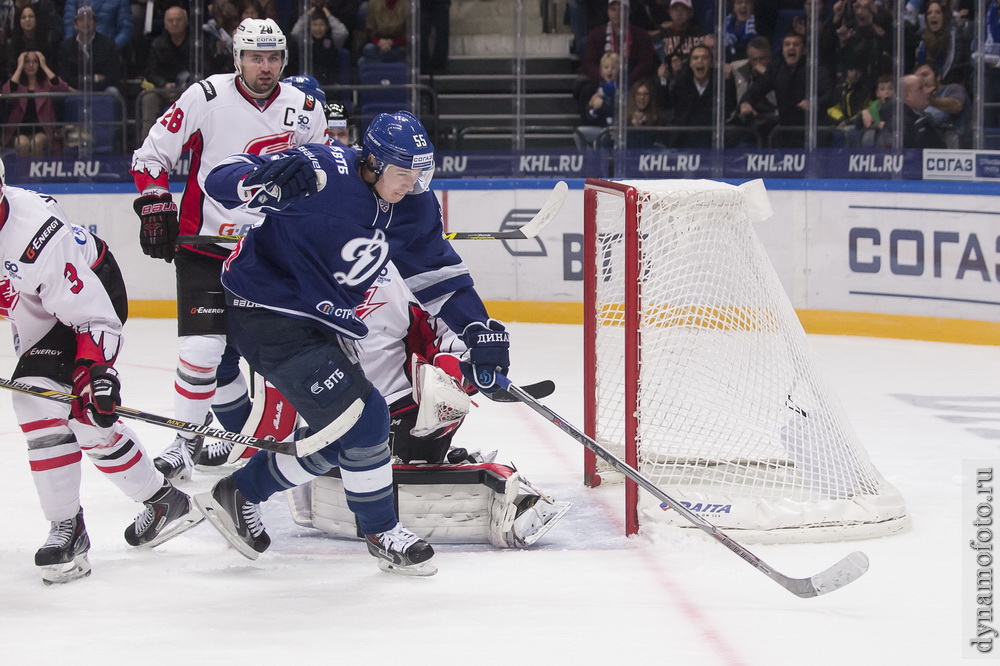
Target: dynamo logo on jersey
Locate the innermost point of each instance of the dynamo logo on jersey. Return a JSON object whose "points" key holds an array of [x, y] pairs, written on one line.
{"points": [[367, 256]]}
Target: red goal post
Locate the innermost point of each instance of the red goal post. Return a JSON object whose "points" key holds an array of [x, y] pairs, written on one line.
{"points": [[699, 375]]}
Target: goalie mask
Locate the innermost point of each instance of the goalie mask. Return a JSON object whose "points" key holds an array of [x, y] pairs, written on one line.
{"points": [[399, 139], [258, 35]]}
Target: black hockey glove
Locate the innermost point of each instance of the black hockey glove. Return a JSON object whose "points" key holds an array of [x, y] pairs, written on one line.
{"points": [[158, 225], [489, 353], [98, 392], [281, 181]]}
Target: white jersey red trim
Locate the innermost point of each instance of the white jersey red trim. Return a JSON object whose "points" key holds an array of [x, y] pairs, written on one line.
{"points": [[216, 118], [47, 274], [385, 352]]}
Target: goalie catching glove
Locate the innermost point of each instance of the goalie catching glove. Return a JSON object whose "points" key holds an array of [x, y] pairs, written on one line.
{"points": [[158, 225], [489, 353], [282, 181], [98, 392]]}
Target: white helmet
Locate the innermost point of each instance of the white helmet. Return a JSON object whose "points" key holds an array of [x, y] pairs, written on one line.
{"points": [[258, 35]]}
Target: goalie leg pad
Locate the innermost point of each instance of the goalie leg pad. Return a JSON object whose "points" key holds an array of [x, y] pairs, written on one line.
{"points": [[271, 415], [486, 503]]}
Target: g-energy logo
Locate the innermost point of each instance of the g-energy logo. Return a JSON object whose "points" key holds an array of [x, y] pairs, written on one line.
{"points": [[42, 237]]}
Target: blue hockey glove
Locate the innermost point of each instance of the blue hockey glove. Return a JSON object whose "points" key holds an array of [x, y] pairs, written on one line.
{"points": [[277, 184], [489, 352]]}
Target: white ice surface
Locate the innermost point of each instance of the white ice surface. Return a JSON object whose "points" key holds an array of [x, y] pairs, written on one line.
{"points": [[584, 595]]}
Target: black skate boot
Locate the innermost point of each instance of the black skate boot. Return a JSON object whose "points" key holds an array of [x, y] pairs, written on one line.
{"points": [[168, 513], [235, 517], [63, 557], [401, 551], [213, 454], [177, 460]]}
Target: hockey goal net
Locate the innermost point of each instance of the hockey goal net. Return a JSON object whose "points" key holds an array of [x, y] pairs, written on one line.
{"points": [[699, 374]]}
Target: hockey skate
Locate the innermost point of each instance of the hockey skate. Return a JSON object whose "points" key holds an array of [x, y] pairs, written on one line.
{"points": [[237, 519], [213, 454], [535, 516], [401, 551], [168, 513], [177, 460], [63, 557]]}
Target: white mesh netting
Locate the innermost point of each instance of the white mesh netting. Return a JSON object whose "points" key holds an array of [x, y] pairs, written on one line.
{"points": [[733, 419]]}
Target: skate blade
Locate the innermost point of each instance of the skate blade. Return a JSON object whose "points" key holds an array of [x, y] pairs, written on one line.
{"points": [[221, 521], [58, 574], [427, 568], [175, 528], [546, 526]]}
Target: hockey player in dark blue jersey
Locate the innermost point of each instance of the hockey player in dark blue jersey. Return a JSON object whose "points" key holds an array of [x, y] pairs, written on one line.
{"points": [[335, 217]]}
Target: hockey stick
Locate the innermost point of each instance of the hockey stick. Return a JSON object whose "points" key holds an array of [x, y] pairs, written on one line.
{"points": [[529, 230], [840, 574], [183, 426]]}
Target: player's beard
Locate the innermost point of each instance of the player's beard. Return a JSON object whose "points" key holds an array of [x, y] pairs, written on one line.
{"points": [[258, 88]]}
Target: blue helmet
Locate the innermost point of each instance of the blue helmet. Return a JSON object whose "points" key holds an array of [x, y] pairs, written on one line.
{"points": [[308, 85], [399, 139]]}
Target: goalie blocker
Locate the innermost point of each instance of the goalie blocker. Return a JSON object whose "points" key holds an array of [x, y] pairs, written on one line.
{"points": [[441, 503]]}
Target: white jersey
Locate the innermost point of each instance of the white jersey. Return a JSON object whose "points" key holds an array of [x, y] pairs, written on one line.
{"points": [[47, 274], [216, 118], [395, 331]]}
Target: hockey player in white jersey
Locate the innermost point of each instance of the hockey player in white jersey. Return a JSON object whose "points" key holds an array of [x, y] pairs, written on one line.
{"points": [[64, 295], [451, 496], [245, 112]]}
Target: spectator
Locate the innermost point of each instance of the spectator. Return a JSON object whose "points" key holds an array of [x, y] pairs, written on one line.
{"points": [[33, 31], [599, 111], [642, 108], [338, 31], [169, 66], [871, 121], [112, 18], [385, 25], [325, 52], [991, 62], [918, 129], [944, 46], [845, 111], [787, 79], [604, 39], [36, 131], [862, 44], [435, 18], [693, 97], [764, 114], [740, 29], [104, 58], [949, 109], [678, 40], [650, 15]]}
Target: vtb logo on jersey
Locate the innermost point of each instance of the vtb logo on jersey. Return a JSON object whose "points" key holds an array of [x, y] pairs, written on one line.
{"points": [[368, 256], [269, 145]]}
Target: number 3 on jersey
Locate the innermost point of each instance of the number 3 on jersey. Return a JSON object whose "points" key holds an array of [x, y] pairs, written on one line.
{"points": [[172, 119], [75, 283]]}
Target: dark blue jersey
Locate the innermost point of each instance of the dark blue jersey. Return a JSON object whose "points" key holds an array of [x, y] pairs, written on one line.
{"points": [[316, 259]]}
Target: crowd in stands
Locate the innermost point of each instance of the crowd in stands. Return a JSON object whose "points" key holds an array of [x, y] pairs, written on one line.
{"points": [[142, 50], [673, 51]]}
